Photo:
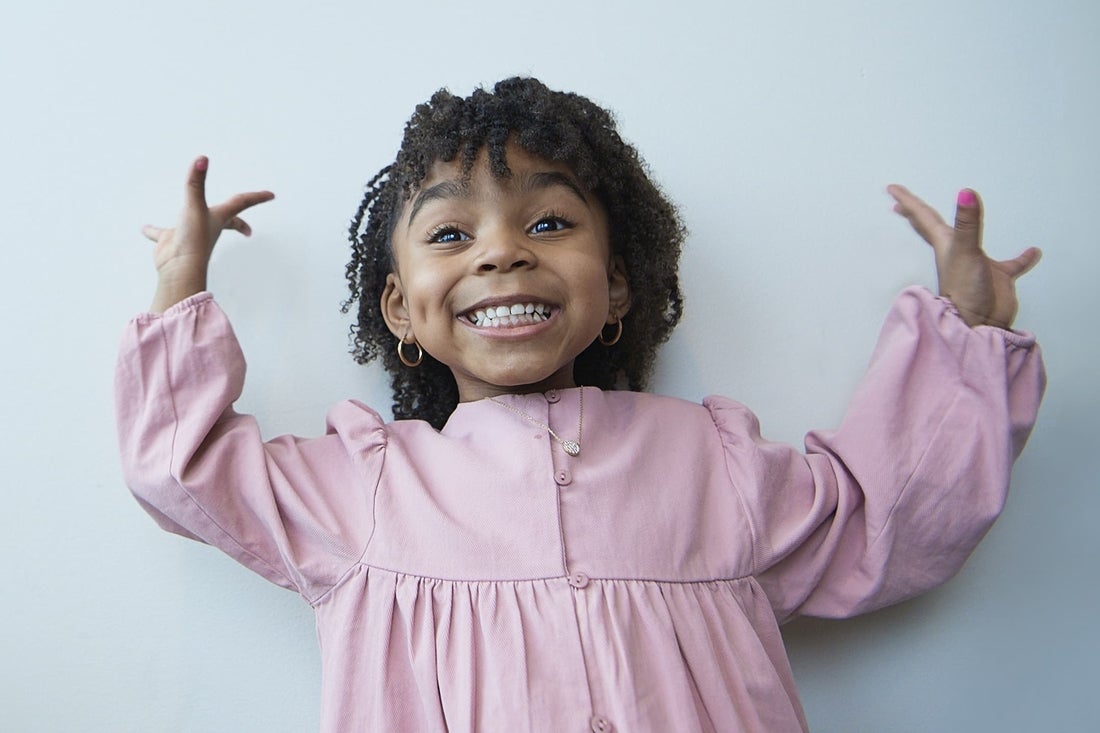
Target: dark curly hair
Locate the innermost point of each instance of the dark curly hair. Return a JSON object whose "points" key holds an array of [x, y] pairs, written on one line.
{"points": [[645, 229]]}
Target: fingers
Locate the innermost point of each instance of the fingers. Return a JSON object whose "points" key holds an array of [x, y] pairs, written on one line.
{"points": [[1022, 263], [238, 224], [968, 220], [234, 205], [152, 233], [225, 215], [967, 232], [923, 218], [228, 211], [196, 193], [196, 183]]}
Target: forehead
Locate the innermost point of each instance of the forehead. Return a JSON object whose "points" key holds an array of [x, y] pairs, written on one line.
{"points": [[526, 173], [525, 168]]}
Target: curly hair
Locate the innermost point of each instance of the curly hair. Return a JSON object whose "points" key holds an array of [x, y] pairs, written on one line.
{"points": [[645, 229]]}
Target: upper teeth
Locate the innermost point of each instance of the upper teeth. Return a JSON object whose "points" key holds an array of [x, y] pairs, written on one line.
{"points": [[510, 315]]}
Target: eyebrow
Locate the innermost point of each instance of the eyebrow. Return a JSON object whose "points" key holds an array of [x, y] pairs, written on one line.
{"points": [[438, 192], [550, 179], [535, 182]]}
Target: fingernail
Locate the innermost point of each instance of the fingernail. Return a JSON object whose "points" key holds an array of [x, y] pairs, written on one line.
{"points": [[201, 164], [967, 198]]}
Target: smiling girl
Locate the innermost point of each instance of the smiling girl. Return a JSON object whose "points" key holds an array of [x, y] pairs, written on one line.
{"points": [[534, 543], [471, 253]]}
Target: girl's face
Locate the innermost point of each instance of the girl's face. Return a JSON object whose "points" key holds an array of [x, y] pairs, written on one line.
{"points": [[534, 245]]}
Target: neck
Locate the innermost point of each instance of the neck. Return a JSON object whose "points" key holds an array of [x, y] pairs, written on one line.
{"points": [[473, 390]]}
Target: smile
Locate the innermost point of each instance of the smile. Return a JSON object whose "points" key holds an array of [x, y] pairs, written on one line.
{"points": [[503, 316]]}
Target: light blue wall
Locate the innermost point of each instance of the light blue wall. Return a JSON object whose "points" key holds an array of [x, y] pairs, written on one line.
{"points": [[776, 127]]}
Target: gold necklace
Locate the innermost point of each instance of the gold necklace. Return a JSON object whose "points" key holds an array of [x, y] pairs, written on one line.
{"points": [[571, 447]]}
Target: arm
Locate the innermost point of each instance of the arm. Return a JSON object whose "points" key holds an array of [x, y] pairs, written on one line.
{"points": [[296, 511], [892, 503]]}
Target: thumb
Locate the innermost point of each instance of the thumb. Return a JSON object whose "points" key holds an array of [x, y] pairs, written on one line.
{"points": [[196, 184], [968, 219]]}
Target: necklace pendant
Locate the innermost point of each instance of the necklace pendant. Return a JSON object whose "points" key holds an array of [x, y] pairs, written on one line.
{"points": [[571, 447]]}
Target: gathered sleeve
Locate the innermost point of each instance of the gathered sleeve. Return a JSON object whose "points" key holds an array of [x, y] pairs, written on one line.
{"points": [[892, 502], [297, 511]]}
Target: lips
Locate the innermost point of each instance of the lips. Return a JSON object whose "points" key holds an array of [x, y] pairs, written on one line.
{"points": [[503, 315]]}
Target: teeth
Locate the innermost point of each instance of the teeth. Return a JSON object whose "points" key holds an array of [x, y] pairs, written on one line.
{"points": [[518, 314]]}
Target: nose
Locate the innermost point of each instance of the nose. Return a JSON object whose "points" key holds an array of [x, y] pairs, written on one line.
{"points": [[503, 250]]}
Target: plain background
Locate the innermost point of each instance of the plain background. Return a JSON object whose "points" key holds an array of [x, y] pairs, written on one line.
{"points": [[775, 126]]}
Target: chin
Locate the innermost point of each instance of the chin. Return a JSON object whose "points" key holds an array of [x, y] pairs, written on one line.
{"points": [[521, 378]]}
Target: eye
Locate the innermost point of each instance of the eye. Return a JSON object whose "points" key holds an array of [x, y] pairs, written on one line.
{"points": [[550, 224], [447, 235]]}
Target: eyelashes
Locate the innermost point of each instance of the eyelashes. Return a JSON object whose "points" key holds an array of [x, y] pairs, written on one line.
{"points": [[446, 234], [548, 222]]}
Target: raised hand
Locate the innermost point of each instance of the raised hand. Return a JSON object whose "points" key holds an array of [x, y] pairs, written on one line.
{"points": [[982, 289], [182, 253]]}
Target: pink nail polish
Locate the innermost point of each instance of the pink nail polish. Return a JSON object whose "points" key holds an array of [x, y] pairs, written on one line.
{"points": [[201, 164], [967, 198]]}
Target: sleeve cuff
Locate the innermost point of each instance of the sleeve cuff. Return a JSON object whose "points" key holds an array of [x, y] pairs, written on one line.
{"points": [[945, 309], [188, 303]]}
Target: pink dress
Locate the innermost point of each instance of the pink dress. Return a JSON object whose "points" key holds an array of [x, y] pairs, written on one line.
{"points": [[479, 578]]}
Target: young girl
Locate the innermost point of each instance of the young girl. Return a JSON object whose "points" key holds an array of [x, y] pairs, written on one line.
{"points": [[527, 547]]}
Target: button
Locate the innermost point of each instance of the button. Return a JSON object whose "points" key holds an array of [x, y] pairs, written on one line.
{"points": [[562, 477], [600, 724], [578, 579], [553, 396]]}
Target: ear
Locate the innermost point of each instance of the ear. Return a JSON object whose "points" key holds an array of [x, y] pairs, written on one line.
{"points": [[395, 310], [618, 289]]}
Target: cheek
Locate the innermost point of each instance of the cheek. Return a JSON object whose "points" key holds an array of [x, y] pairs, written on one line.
{"points": [[426, 297]]}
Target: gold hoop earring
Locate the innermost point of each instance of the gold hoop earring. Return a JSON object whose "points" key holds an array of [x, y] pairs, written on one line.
{"points": [[406, 360], [614, 339]]}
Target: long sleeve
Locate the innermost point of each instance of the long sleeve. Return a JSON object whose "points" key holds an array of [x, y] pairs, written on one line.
{"points": [[892, 502], [297, 511]]}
